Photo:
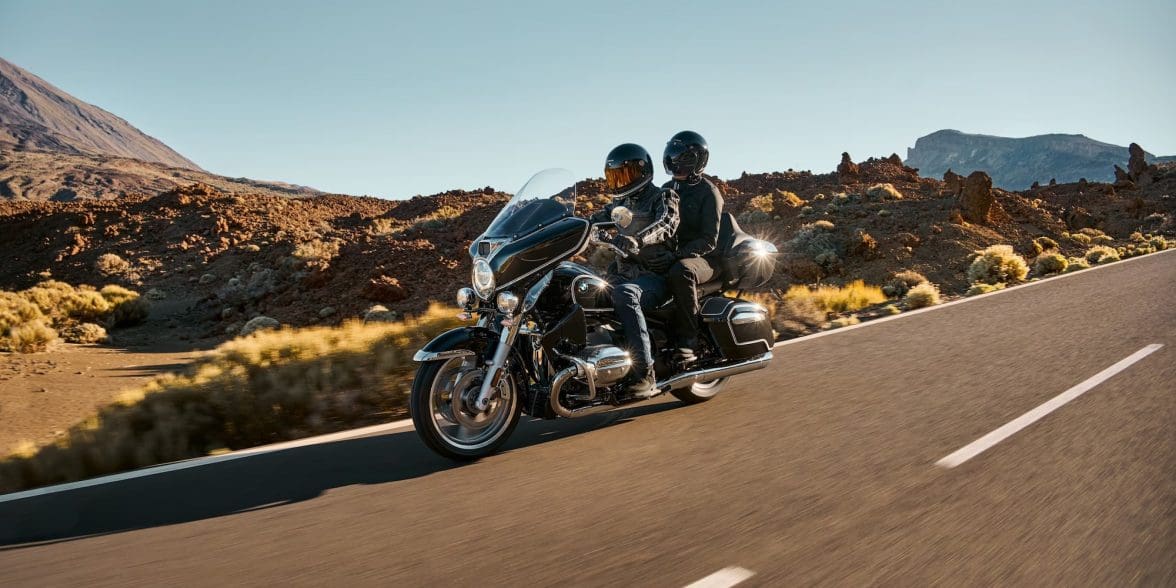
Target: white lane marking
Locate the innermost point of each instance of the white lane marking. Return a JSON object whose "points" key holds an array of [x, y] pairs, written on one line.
{"points": [[885, 319], [407, 423], [1009, 429], [723, 578], [209, 460]]}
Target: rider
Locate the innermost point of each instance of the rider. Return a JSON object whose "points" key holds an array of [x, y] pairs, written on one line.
{"points": [[648, 239], [685, 158]]}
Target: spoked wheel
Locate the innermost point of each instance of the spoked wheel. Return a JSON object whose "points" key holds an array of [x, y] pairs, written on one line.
{"points": [[442, 407], [700, 392]]}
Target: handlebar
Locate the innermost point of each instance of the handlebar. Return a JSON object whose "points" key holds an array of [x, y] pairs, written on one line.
{"points": [[598, 237]]}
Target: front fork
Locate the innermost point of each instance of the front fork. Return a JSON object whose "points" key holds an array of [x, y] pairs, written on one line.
{"points": [[494, 366]]}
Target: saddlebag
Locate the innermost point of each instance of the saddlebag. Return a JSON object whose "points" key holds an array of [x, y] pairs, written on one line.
{"points": [[740, 329]]}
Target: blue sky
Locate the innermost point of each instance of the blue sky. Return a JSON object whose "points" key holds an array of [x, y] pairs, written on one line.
{"points": [[394, 99]]}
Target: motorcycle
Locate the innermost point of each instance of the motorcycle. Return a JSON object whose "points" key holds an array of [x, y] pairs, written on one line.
{"points": [[547, 341]]}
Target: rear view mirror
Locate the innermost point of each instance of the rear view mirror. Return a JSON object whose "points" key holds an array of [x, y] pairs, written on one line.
{"points": [[622, 216]]}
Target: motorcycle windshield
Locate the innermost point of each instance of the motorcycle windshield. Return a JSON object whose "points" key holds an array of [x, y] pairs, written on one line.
{"points": [[547, 197]]}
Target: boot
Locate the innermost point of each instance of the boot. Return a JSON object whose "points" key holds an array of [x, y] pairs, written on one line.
{"points": [[642, 382], [684, 354]]}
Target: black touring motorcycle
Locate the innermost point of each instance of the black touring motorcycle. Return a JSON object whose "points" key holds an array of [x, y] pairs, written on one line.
{"points": [[547, 341]]}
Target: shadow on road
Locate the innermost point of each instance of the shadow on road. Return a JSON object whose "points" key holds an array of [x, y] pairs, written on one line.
{"points": [[253, 483]]}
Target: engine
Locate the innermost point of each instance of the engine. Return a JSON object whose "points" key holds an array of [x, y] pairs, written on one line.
{"points": [[601, 365]]}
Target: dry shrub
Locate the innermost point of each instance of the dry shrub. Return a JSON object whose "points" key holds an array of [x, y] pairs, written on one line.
{"points": [[128, 308], [30, 337], [982, 288], [382, 226], [1075, 264], [902, 282], [997, 264], [270, 387], [1077, 238], [1091, 232], [885, 191], [83, 333], [316, 252], [1102, 240], [1050, 263], [921, 295], [112, 265], [1158, 242], [1100, 254], [855, 296], [1042, 244], [844, 321]]}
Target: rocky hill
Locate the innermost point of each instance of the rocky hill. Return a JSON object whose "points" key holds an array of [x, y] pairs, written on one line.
{"points": [[35, 114], [219, 259], [33, 174], [1015, 164], [56, 147]]}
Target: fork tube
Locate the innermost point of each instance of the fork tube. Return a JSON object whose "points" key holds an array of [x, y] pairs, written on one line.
{"points": [[494, 371]]}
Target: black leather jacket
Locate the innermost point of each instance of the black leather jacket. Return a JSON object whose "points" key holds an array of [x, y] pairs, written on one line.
{"points": [[655, 219], [700, 206]]}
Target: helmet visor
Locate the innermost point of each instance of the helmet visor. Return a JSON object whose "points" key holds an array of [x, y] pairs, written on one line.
{"points": [[623, 175]]}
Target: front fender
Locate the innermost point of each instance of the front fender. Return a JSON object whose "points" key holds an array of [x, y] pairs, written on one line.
{"points": [[457, 342]]}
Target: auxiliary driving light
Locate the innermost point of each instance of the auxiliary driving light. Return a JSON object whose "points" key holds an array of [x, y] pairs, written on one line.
{"points": [[465, 297], [507, 303]]}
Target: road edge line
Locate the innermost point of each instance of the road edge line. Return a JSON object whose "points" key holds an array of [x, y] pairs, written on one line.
{"points": [[208, 460]]}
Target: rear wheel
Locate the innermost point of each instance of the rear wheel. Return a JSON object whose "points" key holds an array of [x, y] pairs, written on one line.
{"points": [[442, 407], [700, 392]]}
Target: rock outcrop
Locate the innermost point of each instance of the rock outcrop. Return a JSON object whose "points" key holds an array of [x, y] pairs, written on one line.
{"points": [[847, 170], [976, 198]]}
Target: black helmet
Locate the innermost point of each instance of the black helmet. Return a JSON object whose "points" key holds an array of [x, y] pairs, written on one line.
{"points": [[686, 155], [628, 169]]}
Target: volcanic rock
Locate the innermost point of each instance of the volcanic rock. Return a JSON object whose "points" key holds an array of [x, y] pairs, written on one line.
{"points": [[847, 170], [384, 289], [976, 198]]}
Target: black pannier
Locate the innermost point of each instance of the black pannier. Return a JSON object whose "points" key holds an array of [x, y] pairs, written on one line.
{"points": [[741, 329]]}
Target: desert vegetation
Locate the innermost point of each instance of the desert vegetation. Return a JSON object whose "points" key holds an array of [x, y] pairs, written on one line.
{"points": [[271, 386], [997, 264], [31, 319]]}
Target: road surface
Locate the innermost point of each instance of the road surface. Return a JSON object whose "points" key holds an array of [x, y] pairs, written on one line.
{"points": [[825, 468]]}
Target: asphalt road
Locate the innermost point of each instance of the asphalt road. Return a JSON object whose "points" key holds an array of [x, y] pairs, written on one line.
{"points": [[820, 469]]}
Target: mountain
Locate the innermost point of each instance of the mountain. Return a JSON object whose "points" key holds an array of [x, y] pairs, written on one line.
{"points": [[35, 114], [35, 174], [1014, 164]]}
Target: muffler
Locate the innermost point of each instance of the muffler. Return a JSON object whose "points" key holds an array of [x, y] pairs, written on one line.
{"points": [[673, 383], [705, 375]]}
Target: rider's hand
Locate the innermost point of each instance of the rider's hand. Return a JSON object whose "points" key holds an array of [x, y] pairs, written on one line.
{"points": [[657, 259], [625, 243]]}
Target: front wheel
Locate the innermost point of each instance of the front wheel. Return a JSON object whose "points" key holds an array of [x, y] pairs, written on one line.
{"points": [[699, 392], [442, 408]]}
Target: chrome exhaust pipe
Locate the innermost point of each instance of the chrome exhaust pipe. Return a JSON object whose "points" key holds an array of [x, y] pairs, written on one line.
{"points": [[690, 378], [673, 383], [557, 385]]}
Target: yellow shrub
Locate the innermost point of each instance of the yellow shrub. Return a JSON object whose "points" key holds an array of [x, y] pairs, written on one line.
{"points": [[1101, 254], [884, 192], [29, 337], [924, 294], [997, 264], [1050, 263], [269, 387], [855, 296]]}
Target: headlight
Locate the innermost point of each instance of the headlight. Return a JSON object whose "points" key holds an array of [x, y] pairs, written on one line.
{"points": [[465, 298], [483, 279], [507, 303]]}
